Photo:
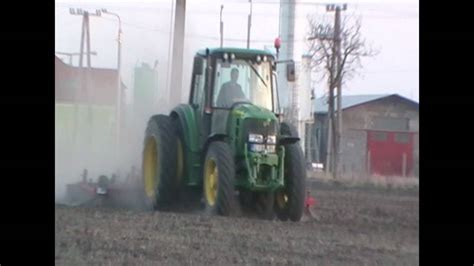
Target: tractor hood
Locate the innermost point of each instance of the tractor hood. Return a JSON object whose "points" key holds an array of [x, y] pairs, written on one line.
{"points": [[247, 110], [248, 118]]}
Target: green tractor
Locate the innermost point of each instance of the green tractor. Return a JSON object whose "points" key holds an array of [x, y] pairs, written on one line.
{"points": [[228, 141]]}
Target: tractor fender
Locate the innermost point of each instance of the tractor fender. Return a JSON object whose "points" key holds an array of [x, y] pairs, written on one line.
{"points": [[185, 114], [289, 134], [214, 137], [288, 130], [287, 140]]}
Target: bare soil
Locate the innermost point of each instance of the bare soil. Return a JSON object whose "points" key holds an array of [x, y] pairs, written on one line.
{"points": [[353, 226]]}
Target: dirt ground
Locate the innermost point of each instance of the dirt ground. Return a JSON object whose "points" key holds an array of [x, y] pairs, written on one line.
{"points": [[353, 226]]}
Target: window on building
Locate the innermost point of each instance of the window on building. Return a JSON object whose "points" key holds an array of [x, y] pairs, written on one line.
{"points": [[402, 137]]}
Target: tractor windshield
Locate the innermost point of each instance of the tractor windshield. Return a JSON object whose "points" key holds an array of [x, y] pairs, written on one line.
{"points": [[243, 81]]}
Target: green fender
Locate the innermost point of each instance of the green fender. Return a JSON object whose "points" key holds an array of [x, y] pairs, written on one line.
{"points": [[185, 113]]}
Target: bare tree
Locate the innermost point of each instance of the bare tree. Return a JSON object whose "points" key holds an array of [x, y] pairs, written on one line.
{"points": [[322, 48], [337, 64]]}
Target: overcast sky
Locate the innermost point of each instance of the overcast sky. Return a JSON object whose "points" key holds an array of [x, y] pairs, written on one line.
{"points": [[391, 26]]}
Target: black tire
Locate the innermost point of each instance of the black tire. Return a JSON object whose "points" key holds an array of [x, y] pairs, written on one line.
{"points": [[162, 154], [181, 151], [281, 209], [295, 180], [220, 154], [264, 202]]}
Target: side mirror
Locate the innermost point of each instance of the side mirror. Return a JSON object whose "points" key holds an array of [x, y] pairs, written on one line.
{"points": [[198, 65], [290, 71]]}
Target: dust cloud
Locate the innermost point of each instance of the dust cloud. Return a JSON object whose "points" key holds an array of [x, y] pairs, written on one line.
{"points": [[147, 39]]}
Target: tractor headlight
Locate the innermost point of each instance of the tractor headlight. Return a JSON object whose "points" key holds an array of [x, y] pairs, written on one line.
{"points": [[257, 147], [271, 148], [271, 139], [255, 138]]}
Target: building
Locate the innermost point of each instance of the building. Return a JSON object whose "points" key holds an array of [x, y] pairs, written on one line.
{"points": [[84, 118], [102, 82], [379, 136]]}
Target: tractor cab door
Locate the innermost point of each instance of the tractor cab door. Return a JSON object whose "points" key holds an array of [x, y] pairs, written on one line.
{"points": [[198, 94]]}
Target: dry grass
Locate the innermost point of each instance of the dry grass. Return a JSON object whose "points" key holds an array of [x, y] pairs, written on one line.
{"points": [[396, 182]]}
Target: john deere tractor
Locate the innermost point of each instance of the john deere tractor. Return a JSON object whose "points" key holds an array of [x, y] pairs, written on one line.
{"points": [[229, 141]]}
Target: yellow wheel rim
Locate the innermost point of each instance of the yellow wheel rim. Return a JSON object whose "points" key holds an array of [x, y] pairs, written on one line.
{"points": [[282, 199], [210, 181], [180, 162], [150, 167]]}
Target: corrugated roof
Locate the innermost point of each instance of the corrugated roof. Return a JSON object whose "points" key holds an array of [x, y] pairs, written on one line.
{"points": [[321, 105]]}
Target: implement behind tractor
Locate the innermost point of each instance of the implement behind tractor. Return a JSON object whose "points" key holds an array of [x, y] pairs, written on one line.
{"points": [[106, 192], [229, 140]]}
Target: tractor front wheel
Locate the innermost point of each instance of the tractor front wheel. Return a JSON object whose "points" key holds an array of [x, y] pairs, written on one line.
{"points": [[289, 201], [218, 184]]}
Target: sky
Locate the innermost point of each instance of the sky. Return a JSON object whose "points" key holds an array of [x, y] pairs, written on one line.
{"points": [[390, 26]]}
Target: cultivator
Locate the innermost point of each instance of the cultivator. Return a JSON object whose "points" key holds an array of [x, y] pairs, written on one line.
{"points": [[106, 191]]}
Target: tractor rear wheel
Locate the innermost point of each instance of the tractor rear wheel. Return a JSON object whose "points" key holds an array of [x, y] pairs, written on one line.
{"points": [[159, 162], [218, 183], [181, 151]]}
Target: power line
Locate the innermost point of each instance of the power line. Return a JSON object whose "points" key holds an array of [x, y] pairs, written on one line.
{"points": [[401, 13]]}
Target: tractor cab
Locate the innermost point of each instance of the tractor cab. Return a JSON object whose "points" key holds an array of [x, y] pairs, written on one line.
{"points": [[226, 80]]}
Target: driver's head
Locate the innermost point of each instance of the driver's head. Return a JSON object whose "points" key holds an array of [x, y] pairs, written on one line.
{"points": [[234, 74]]}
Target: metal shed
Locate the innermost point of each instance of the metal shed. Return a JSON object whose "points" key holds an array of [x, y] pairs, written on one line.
{"points": [[379, 136]]}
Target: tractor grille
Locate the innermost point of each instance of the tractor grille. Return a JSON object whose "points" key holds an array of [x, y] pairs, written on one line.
{"points": [[259, 126]]}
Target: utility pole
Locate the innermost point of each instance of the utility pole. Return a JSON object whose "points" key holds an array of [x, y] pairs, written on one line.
{"points": [[338, 83], [222, 27], [85, 33], [287, 34], [178, 50], [249, 24], [334, 131], [332, 83]]}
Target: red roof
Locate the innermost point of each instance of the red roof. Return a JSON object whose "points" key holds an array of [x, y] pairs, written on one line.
{"points": [[69, 88]]}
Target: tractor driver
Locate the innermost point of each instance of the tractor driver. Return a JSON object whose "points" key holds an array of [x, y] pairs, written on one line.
{"points": [[231, 91]]}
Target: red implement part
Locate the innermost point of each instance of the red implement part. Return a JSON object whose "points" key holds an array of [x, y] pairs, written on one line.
{"points": [[309, 202]]}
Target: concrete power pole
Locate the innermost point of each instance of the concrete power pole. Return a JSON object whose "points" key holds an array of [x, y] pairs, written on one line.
{"points": [[85, 37], [222, 27], [286, 33], [84, 88], [249, 24], [339, 94], [337, 45], [334, 130], [335, 126], [178, 51]]}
